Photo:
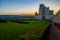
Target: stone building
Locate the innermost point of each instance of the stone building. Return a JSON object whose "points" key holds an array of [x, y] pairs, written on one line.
{"points": [[44, 13], [56, 18]]}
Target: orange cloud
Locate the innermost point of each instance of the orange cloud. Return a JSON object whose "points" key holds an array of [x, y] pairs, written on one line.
{"points": [[18, 13], [26, 12]]}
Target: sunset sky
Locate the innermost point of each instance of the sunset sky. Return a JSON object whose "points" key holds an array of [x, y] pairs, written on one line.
{"points": [[26, 6]]}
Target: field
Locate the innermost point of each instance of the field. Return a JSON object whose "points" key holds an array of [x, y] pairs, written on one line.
{"points": [[15, 31]]}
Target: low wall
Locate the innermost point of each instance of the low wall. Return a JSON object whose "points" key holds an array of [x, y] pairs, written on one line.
{"points": [[46, 33]]}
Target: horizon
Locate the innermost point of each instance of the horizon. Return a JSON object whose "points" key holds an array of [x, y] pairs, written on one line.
{"points": [[17, 7]]}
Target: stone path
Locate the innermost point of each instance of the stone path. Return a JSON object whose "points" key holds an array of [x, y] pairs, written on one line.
{"points": [[54, 33], [51, 33]]}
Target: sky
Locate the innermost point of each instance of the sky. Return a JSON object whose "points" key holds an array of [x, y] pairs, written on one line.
{"points": [[26, 6]]}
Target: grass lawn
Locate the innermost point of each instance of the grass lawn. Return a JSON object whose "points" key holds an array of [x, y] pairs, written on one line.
{"points": [[12, 30]]}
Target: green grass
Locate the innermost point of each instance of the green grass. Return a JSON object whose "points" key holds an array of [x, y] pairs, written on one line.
{"points": [[12, 30]]}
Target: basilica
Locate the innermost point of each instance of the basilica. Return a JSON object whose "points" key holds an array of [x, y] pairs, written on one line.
{"points": [[44, 13]]}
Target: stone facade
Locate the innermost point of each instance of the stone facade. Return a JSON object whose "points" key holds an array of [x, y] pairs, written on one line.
{"points": [[44, 13]]}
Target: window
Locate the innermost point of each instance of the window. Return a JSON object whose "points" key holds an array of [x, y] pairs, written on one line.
{"points": [[43, 11]]}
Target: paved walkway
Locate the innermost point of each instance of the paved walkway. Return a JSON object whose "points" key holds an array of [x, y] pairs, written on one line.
{"points": [[54, 33]]}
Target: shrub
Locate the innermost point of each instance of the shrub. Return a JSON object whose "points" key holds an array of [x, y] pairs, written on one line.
{"points": [[3, 21]]}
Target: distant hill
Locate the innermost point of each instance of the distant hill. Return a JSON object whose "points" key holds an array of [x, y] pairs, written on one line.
{"points": [[15, 16]]}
